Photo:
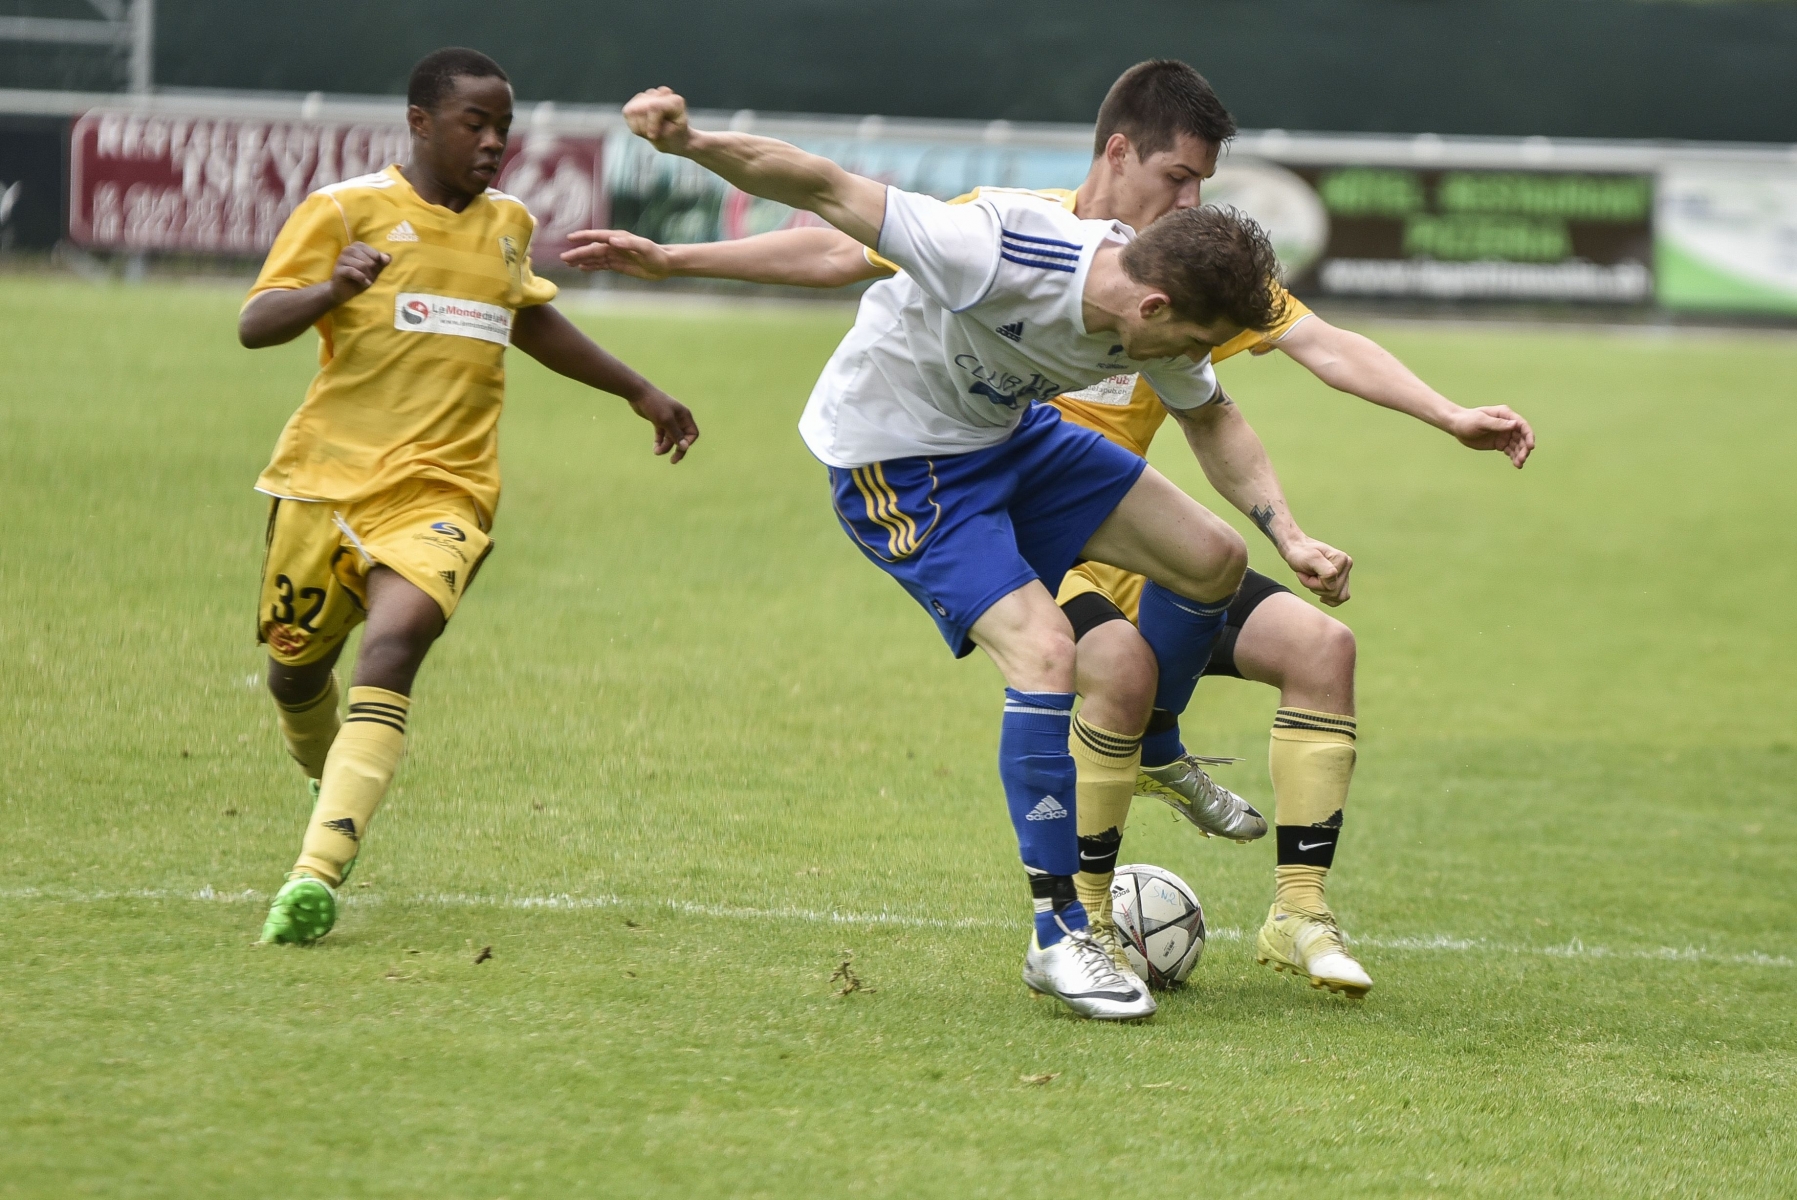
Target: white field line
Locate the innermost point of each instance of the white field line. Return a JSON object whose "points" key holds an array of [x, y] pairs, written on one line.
{"points": [[1439, 943]]}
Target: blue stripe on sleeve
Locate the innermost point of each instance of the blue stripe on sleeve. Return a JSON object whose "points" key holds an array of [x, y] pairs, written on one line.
{"points": [[1041, 241], [1046, 266]]}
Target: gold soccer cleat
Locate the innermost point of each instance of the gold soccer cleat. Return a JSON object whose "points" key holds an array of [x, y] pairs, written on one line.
{"points": [[1311, 945]]}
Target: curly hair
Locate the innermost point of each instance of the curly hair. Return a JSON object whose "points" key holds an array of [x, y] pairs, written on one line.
{"points": [[434, 75], [1213, 264]]}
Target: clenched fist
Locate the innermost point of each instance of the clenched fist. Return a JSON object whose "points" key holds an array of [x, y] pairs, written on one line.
{"points": [[357, 268], [659, 117]]}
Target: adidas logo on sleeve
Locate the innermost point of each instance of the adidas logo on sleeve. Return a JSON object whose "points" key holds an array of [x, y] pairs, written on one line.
{"points": [[1047, 809], [403, 232]]}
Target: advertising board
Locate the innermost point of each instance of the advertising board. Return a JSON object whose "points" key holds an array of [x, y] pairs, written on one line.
{"points": [[1348, 230], [224, 185], [1726, 238], [1454, 234], [1689, 229]]}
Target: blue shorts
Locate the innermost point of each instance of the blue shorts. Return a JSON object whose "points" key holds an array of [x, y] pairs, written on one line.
{"points": [[963, 531]]}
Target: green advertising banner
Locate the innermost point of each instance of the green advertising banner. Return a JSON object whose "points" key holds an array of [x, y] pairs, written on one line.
{"points": [[1726, 238], [1483, 234]]}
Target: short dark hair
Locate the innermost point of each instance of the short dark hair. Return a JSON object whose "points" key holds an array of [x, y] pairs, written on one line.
{"points": [[1154, 102], [435, 75], [1213, 263]]}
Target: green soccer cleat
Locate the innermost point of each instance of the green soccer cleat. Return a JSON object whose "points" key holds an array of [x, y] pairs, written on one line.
{"points": [[304, 911]]}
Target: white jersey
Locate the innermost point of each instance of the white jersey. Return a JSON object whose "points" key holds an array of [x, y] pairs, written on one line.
{"points": [[985, 318]]}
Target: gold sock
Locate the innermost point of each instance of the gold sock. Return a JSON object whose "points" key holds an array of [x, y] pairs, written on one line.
{"points": [[356, 775], [1106, 763], [1312, 762], [309, 728]]}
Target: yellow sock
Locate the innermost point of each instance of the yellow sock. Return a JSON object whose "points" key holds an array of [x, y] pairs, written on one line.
{"points": [[356, 774], [309, 728], [1312, 761], [1106, 763]]}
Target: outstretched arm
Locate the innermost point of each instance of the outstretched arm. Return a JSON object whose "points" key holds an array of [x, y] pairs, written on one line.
{"points": [[1362, 367], [1236, 463], [765, 167], [795, 257], [547, 336]]}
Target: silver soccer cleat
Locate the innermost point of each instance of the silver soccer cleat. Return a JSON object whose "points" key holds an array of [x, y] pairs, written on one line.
{"points": [[1212, 808], [1077, 972]]}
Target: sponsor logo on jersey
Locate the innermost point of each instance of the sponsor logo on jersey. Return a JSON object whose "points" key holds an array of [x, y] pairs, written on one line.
{"points": [[1005, 388], [1047, 809], [1114, 391], [421, 312], [444, 527], [403, 232], [1013, 331]]}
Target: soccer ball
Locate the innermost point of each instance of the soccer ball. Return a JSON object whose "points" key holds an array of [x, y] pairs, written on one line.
{"points": [[1160, 921]]}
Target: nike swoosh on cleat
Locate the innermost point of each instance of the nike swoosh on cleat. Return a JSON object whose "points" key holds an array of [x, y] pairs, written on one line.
{"points": [[1311, 845]]}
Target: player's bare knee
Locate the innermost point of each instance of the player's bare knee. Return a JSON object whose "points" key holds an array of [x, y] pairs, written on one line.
{"points": [[1232, 564], [1053, 655], [1336, 651], [290, 684], [1219, 574], [1117, 675], [1321, 664]]}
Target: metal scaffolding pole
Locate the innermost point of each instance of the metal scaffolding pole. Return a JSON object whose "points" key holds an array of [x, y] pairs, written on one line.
{"points": [[143, 46], [129, 25]]}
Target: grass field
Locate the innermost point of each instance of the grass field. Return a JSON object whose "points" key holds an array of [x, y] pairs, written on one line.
{"points": [[683, 749]]}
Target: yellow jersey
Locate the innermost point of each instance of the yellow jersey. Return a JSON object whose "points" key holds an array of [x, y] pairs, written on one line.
{"points": [[411, 372], [1125, 408]]}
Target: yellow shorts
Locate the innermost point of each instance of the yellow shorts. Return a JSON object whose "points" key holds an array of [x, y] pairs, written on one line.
{"points": [[1118, 586], [314, 578]]}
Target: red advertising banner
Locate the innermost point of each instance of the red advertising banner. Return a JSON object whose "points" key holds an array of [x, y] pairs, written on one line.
{"points": [[206, 185]]}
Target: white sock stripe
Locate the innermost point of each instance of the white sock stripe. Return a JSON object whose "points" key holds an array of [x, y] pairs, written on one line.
{"points": [[1575, 948], [1065, 713]]}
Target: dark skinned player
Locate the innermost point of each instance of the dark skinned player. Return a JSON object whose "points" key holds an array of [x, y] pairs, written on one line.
{"points": [[385, 482]]}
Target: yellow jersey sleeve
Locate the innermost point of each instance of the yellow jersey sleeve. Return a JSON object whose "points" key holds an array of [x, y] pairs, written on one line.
{"points": [[1262, 341], [305, 251], [534, 288]]}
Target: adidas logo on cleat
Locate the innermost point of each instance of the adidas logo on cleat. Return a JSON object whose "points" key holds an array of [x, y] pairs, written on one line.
{"points": [[403, 232], [1013, 331], [344, 825], [1047, 809]]}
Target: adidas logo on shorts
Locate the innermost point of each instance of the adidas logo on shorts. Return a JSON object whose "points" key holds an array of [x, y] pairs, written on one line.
{"points": [[403, 232], [1047, 809]]}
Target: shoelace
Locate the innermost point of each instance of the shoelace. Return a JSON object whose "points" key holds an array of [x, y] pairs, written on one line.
{"points": [[1096, 961], [1328, 931]]}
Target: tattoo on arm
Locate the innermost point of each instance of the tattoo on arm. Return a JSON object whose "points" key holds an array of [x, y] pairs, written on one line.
{"points": [[1262, 516]]}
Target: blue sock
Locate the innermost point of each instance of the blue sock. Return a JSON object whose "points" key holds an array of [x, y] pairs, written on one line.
{"points": [[1161, 744], [1181, 633], [1037, 771]]}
